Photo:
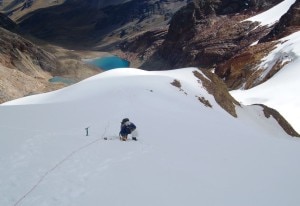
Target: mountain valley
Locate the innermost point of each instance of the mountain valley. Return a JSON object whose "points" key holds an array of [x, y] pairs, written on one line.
{"points": [[151, 35], [212, 87]]}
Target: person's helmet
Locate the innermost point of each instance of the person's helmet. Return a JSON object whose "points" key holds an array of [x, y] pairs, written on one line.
{"points": [[125, 120]]}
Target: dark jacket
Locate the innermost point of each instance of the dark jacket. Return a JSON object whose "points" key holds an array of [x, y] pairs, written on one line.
{"points": [[126, 128]]}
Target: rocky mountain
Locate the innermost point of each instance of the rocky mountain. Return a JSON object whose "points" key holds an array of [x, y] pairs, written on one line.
{"points": [[18, 8], [160, 35], [7, 23], [204, 34], [216, 38], [26, 68], [92, 21], [288, 23], [244, 69]]}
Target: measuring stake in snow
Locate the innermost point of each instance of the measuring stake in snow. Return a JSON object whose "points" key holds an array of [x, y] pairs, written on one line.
{"points": [[87, 131]]}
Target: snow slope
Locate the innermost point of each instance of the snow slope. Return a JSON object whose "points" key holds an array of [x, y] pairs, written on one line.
{"points": [[272, 15], [187, 153], [280, 92]]}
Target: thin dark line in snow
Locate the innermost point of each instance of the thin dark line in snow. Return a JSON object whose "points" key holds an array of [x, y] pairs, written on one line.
{"points": [[56, 166]]}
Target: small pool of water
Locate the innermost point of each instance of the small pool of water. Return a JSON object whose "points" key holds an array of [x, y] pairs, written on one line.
{"points": [[109, 62], [58, 79]]}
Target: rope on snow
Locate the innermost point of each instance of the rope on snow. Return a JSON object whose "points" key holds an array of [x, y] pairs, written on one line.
{"points": [[57, 165]]}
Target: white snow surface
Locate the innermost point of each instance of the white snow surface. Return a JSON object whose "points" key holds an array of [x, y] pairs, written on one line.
{"points": [[272, 15], [281, 91], [187, 153]]}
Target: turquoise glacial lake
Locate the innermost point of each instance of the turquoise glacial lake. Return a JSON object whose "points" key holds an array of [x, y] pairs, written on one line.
{"points": [[110, 62], [105, 63], [58, 79]]}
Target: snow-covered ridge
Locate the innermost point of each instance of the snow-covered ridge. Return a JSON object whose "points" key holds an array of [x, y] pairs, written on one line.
{"points": [[186, 154], [279, 92], [107, 81], [272, 15]]}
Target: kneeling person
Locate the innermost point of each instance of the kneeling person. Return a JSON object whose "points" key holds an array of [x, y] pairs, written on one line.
{"points": [[127, 128]]}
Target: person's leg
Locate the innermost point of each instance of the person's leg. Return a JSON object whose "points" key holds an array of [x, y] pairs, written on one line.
{"points": [[134, 134], [124, 137]]}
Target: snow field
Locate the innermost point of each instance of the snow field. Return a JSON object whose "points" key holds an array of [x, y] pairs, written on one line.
{"points": [[186, 154]]}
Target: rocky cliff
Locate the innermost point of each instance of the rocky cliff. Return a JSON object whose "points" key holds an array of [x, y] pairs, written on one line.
{"points": [[243, 68], [288, 23], [203, 34], [212, 34]]}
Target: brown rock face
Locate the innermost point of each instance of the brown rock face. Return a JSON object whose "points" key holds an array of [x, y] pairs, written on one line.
{"points": [[238, 71], [219, 90], [242, 69], [26, 68], [141, 43], [201, 35], [212, 42], [281, 121], [16, 52], [182, 25]]}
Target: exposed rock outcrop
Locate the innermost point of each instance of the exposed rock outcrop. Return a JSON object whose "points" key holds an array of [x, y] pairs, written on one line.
{"points": [[235, 6], [218, 89], [238, 71], [206, 34], [213, 42], [142, 47], [242, 69], [281, 121], [288, 23]]}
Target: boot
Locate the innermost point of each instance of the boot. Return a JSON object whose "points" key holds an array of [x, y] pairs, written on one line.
{"points": [[124, 138], [134, 138]]}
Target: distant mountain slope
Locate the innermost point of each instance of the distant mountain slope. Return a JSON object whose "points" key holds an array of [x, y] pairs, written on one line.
{"points": [[203, 34], [213, 34], [7, 23], [90, 21], [26, 68], [190, 151], [18, 8]]}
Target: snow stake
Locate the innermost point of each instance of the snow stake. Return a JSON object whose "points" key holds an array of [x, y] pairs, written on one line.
{"points": [[87, 131]]}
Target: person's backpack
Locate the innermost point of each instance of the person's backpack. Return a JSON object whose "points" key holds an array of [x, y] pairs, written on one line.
{"points": [[131, 126]]}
